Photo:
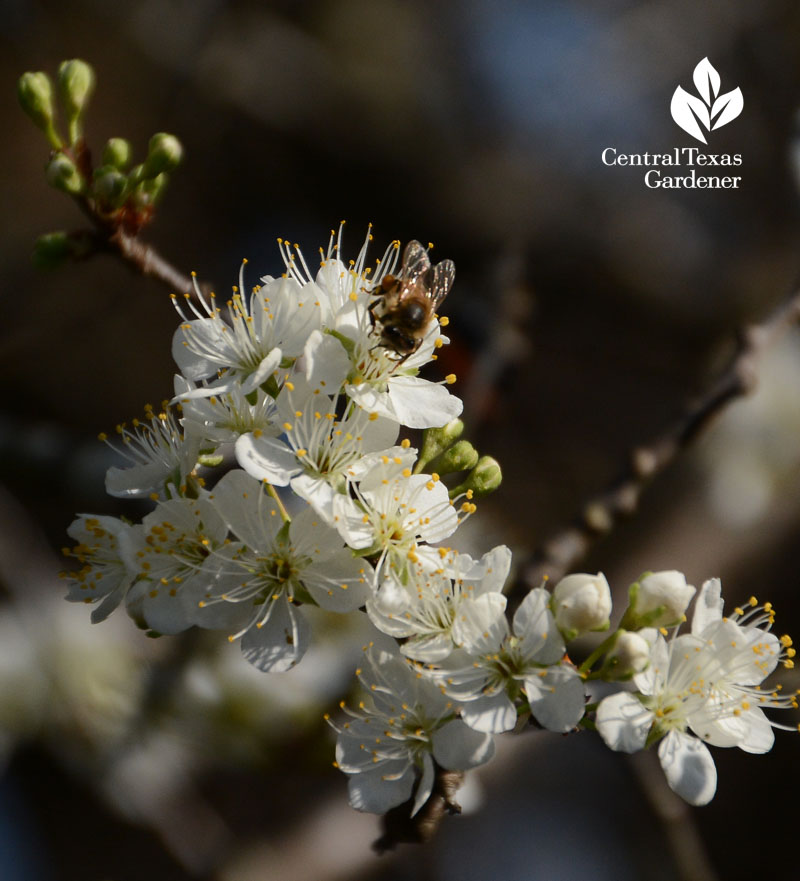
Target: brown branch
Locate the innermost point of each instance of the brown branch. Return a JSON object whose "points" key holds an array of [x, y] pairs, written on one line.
{"points": [[398, 824], [149, 262], [565, 549]]}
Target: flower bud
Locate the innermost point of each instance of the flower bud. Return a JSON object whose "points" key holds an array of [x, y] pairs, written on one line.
{"points": [[35, 94], [63, 174], [581, 603], [658, 599], [109, 186], [117, 153], [460, 457], [485, 477], [437, 440], [76, 83], [164, 153], [51, 250], [630, 655]]}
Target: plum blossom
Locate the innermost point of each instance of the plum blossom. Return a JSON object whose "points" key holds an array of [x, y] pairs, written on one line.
{"points": [[495, 666], [275, 565], [404, 726], [702, 687]]}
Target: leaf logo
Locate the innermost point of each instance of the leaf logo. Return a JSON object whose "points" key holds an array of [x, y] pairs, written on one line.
{"points": [[712, 110]]}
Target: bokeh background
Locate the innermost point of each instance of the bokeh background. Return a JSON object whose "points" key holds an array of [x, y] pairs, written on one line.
{"points": [[587, 310]]}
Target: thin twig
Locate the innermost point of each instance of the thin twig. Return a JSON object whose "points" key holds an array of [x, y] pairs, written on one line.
{"points": [[565, 549]]}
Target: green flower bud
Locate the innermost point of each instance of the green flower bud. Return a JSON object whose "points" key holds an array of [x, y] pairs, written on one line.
{"points": [[437, 440], [63, 174], [484, 478], [164, 153], [35, 94], [117, 152], [150, 190], [109, 186], [460, 457], [51, 250], [76, 83]]}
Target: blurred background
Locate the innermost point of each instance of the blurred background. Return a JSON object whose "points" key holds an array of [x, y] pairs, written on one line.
{"points": [[587, 310]]}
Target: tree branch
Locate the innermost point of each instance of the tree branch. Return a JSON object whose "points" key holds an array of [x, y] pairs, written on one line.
{"points": [[565, 549]]}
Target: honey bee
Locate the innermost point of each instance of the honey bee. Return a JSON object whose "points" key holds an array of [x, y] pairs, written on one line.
{"points": [[406, 304]]}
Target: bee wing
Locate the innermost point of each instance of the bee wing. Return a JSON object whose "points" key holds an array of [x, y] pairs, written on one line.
{"points": [[416, 264], [443, 275]]}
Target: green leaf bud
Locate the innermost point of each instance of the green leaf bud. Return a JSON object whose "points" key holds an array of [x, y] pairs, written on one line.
{"points": [[460, 457], [76, 83], [63, 174], [117, 152], [35, 94], [164, 153]]}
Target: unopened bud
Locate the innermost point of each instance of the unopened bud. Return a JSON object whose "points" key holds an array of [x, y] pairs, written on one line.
{"points": [[460, 457], [76, 81], [485, 477], [629, 656], [109, 186], [437, 440], [117, 153], [63, 174], [581, 603], [164, 153], [51, 250], [657, 599], [35, 94], [150, 190]]}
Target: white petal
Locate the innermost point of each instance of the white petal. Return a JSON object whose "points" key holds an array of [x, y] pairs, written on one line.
{"points": [[689, 767], [557, 698], [168, 614], [480, 625], [348, 518], [248, 511], [536, 628], [280, 642], [492, 715], [326, 361], [623, 722], [372, 791], [339, 583], [429, 649], [425, 785], [266, 458], [708, 606], [419, 403], [457, 747]]}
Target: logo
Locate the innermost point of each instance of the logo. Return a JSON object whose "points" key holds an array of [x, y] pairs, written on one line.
{"points": [[711, 110]]}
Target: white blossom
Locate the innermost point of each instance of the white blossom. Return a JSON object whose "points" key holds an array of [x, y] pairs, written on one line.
{"points": [[394, 514], [495, 665], [245, 344], [403, 724], [105, 548], [707, 682], [160, 455], [274, 566], [426, 609], [171, 552]]}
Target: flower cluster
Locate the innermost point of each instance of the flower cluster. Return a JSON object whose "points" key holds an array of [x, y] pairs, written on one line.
{"points": [[279, 478], [702, 687]]}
